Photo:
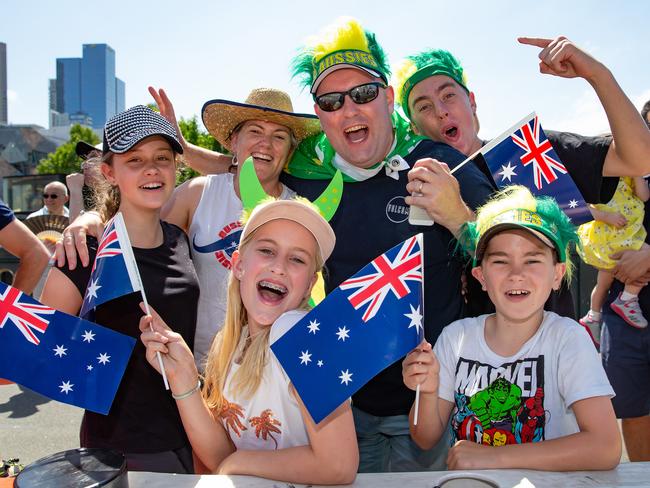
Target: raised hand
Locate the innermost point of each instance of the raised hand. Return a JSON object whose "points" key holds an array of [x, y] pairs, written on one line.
{"points": [[166, 109], [176, 354], [560, 57]]}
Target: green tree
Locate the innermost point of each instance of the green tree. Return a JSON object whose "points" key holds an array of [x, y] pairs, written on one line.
{"points": [[194, 135], [65, 160]]}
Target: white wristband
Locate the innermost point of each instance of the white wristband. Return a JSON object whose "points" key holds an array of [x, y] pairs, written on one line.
{"points": [[189, 393]]}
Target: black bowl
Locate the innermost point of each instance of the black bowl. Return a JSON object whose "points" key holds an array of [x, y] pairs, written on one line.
{"points": [[76, 468]]}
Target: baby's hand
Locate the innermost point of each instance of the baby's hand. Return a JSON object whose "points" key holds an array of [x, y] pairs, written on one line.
{"points": [[421, 367]]}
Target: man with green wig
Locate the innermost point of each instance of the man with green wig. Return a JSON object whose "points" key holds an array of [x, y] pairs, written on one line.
{"points": [[386, 168], [433, 92]]}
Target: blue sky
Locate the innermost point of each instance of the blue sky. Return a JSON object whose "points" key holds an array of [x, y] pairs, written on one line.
{"points": [[204, 50]]}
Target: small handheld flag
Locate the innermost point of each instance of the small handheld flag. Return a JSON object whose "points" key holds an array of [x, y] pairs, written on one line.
{"points": [[523, 155], [63, 357], [373, 319], [115, 273]]}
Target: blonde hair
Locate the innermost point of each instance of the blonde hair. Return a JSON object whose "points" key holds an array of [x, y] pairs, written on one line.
{"points": [[226, 346]]}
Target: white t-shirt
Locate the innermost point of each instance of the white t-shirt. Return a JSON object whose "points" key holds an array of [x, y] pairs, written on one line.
{"points": [[44, 211], [522, 398], [214, 234], [270, 418]]}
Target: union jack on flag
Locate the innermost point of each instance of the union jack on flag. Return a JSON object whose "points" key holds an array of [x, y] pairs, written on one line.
{"points": [[109, 244], [343, 343], [536, 152], [523, 155], [388, 276], [115, 272], [24, 314]]}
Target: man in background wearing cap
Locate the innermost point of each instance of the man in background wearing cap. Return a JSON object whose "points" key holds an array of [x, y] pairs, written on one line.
{"points": [[347, 74]]}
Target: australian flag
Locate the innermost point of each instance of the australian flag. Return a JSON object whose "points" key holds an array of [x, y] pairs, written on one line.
{"points": [[523, 155], [114, 272], [63, 357], [373, 319]]}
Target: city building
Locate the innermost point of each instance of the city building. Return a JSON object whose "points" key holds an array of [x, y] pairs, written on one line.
{"points": [[3, 84], [86, 89]]}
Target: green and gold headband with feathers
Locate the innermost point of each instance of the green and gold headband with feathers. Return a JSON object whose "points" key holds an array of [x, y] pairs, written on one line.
{"points": [[344, 43]]}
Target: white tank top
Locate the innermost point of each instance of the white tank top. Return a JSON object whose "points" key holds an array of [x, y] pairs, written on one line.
{"points": [[270, 418], [214, 234]]}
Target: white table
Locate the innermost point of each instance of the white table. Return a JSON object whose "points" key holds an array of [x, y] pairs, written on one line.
{"points": [[627, 474]]}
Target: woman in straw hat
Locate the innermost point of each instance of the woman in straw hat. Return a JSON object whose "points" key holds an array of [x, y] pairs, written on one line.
{"points": [[208, 208]]}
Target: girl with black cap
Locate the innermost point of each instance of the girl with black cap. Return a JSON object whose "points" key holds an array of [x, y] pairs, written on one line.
{"points": [[138, 169]]}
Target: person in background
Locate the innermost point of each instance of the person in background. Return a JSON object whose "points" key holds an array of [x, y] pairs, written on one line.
{"points": [[81, 184], [617, 226], [55, 196]]}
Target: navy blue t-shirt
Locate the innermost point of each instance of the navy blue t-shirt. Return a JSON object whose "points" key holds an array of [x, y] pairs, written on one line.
{"points": [[373, 217], [6, 215]]}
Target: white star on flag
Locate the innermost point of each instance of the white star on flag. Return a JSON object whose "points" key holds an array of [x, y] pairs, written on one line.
{"points": [[103, 358], [416, 318], [305, 357], [343, 333], [313, 326], [60, 351], [89, 367], [573, 203], [91, 292], [88, 336], [66, 387], [320, 363], [346, 377], [507, 172]]}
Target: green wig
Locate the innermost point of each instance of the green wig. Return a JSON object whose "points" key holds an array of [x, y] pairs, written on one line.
{"points": [[515, 207], [414, 69], [343, 43]]}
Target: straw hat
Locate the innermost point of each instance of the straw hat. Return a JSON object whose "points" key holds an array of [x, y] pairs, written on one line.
{"points": [[220, 117]]}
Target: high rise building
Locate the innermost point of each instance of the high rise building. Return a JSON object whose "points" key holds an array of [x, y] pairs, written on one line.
{"points": [[86, 87], [3, 84]]}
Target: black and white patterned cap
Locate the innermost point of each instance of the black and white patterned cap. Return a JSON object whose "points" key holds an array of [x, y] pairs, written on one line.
{"points": [[126, 129]]}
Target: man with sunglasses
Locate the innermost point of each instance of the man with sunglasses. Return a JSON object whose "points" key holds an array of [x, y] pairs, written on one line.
{"points": [[55, 196], [385, 170]]}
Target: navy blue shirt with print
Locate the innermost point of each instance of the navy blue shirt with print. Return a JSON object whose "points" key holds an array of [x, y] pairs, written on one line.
{"points": [[373, 217]]}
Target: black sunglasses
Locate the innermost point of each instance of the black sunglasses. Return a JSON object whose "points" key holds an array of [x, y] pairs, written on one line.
{"points": [[331, 102], [53, 196]]}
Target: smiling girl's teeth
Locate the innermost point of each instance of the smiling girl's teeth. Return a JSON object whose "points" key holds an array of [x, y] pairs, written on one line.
{"points": [[272, 287], [151, 186]]}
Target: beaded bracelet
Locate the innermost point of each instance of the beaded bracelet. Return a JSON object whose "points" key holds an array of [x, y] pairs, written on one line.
{"points": [[188, 393]]}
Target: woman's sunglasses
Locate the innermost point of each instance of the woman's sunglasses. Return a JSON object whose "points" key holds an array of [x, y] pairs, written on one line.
{"points": [[331, 102], [53, 196]]}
